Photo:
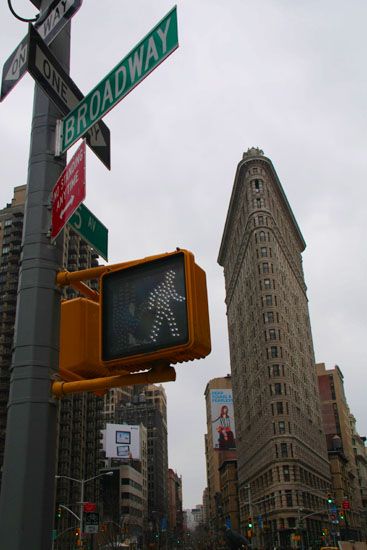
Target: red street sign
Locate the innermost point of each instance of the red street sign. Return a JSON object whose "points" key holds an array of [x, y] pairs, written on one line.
{"points": [[69, 191], [90, 506], [346, 505]]}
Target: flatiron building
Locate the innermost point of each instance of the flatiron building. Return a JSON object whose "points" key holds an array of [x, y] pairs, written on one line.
{"points": [[283, 468]]}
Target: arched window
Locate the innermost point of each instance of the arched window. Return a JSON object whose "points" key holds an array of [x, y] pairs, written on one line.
{"points": [[257, 185]]}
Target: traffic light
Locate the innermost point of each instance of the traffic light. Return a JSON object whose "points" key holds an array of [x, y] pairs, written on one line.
{"points": [[330, 499], [58, 513], [154, 310], [249, 523]]}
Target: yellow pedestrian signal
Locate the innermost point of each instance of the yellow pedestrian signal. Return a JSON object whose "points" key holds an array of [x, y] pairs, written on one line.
{"points": [[154, 309], [79, 337], [150, 313]]}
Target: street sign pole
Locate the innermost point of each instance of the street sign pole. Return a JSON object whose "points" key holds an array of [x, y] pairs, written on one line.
{"points": [[27, 496]]}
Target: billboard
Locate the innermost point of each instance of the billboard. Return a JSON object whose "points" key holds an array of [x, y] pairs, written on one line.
{"points": [[222, 418], [122, 441]]}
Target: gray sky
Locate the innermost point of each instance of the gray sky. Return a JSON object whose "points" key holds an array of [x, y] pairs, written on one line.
{"points": [[286, 76]]}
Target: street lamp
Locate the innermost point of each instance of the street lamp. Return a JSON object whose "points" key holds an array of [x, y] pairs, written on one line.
{"points": [[82, 482]]}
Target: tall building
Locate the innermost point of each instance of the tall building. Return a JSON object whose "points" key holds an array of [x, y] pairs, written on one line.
{"points": [[174, 507], [194, 517], [218, 394], [283, 470], [113, 399], [149, 407], [11, 227], [360, 454], [206, 507], [229, 493], [79, 414], [125, 495], [341, 441]]}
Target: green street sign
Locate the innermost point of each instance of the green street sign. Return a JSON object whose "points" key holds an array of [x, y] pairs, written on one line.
{"points": [[91, 229], [157, 45]]}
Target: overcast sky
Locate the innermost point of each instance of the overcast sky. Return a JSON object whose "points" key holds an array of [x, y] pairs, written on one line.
{"points": [[283, 75]]}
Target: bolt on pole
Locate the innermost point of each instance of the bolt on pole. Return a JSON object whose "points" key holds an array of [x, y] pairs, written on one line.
{"points": [[28, 478]]}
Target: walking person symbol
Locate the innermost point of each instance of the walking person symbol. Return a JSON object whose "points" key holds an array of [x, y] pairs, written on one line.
{"points": [[159, 301]]}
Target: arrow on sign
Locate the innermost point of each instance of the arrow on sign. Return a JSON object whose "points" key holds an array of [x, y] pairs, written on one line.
{"points": [[18, 61], [96, 136], [55, 18], [70, 202]]}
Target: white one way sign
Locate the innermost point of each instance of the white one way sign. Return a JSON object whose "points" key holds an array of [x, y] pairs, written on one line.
{"points": [[48, 26]]}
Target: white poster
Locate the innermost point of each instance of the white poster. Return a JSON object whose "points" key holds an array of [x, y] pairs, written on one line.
{"points": [[122, 441], [223, 429]]}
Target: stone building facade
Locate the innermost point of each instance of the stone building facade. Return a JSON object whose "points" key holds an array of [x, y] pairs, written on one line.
{"points": [[342, 441], [148, 407], [283, 468]]}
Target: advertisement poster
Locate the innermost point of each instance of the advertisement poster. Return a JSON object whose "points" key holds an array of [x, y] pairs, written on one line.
{"points": [[122, 441], [223, 428]]}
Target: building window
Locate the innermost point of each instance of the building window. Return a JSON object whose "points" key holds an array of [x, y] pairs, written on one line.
{"points": [[286, 473], [281, 426], [276, 370], [283, 450], [267, 283], [263, 251], [265, 267], [261, 220], [262, 236], [257, 185], [272, 334], [278, 389], [269, 317], [269, 300], [274, 351], [261, 202], [279, 406], [288, 498]]}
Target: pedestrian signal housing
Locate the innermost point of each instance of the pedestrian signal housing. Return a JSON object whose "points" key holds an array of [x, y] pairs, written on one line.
{"points": [[79, 339], [155, 309]]}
